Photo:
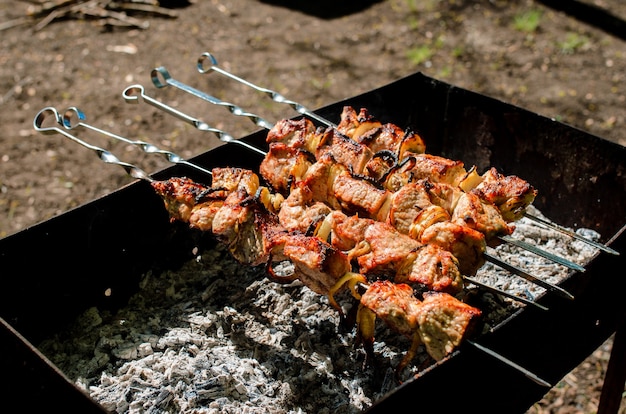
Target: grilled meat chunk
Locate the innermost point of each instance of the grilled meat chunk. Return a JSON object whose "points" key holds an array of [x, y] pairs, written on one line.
{"points": [[444, 322], [247, 228], [300, 134], [432, 267], [365, 129], [180, 195], [406, 204], [474, 213], [388, 249], [466, 244], [320, 179], [317, 264], [510, 194], [343, 150], [356, 195], [299, 212], [354, 124], [419, 166], [231, 179], [346, 231], [284, 165], [440, 322]]}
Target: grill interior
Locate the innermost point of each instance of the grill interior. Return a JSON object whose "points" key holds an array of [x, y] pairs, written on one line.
{"points": [[58, 268]]}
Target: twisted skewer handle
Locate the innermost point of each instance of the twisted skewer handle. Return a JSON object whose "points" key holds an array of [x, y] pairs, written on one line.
{"points": [[74, 117], [162, 78], [135, 93], [103, 154], [275, 96]]}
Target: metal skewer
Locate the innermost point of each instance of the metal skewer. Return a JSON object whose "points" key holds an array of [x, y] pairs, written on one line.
{"points": [[103, 154], [504, 293], [74, 117], [570, 233], [303, 110], [532, 279], [540, 252], [134, 93], [162, 78], [510, 363], [275, 96]]}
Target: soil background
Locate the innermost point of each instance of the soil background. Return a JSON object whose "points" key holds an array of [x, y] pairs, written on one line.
{"points": [[549, 60]]}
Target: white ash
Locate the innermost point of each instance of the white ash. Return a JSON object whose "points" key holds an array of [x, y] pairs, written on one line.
{"points": [[218, 337]]}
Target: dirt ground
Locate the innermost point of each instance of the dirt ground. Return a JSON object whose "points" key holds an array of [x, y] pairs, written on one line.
{"points": [[522, 52]]}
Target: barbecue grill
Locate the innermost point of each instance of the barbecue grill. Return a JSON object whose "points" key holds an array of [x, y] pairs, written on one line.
{"points": [[55, 270]]}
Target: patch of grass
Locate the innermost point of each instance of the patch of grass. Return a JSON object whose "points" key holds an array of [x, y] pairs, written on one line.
{"points": [[419, 54], [527, 22], [573, 42]]}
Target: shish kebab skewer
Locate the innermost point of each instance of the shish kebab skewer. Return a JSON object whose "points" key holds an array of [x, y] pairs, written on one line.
{"points": [[130, 95], [433, 227], [212, 66], [162, 78], [68, 121], [136, 172]]}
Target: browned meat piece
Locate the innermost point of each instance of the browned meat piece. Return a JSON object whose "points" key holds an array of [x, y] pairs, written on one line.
{"points": [[510, 193], [463, 208], [299, 134], [346, 231], [380, 166], [466, 244], [333, 184], [395, 304], [388, 249], [440, 322], [444, 322], [344, 150], [203, 214], [299, 212], [317, 264], [246, 227], [231, 179], [390, 137], [406, 204], [355, 195], [384, 137], [180, 195], [320, 178], [233, 213], [283, 166], [434, 268], [471, 211], [190, 202], [437, 169], [380, 249], [363, 128], [353, 125], [441, 194]]}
